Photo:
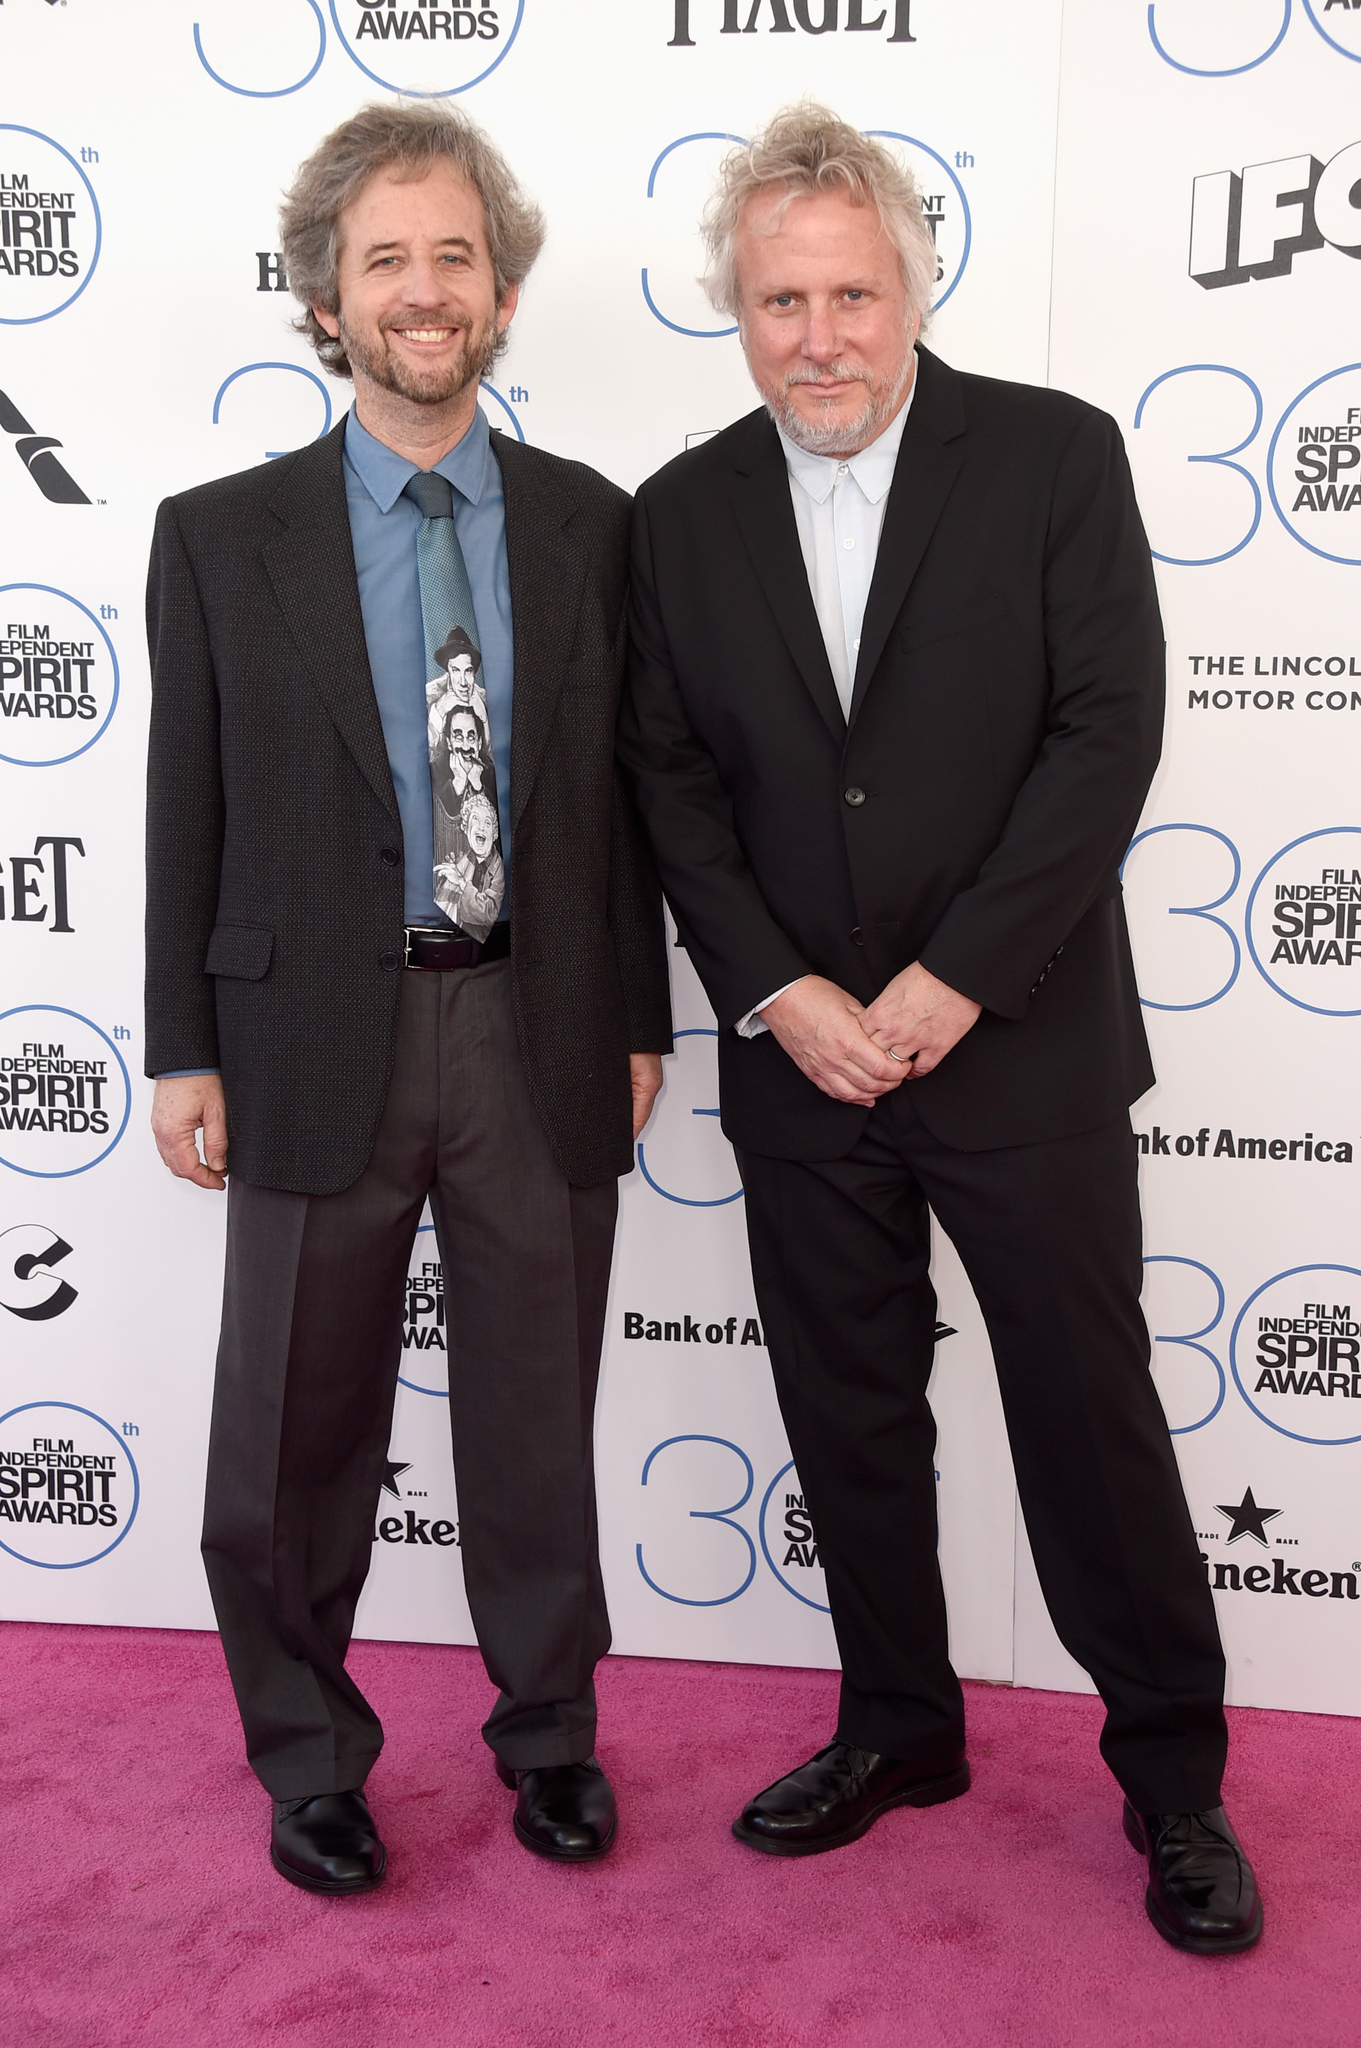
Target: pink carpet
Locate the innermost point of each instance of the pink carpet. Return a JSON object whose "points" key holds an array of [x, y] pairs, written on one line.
{"points": [[137, 1908]]}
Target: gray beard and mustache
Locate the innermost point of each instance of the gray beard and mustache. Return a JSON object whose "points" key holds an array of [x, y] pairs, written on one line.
{"points": [[839, 436], [481, 346]]}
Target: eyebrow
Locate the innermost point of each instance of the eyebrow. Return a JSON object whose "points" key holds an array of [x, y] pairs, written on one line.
{"points": [[847, 284], [444, 242]]}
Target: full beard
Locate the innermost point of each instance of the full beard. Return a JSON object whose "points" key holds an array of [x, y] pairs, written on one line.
{"points": [[433, 386], [834, 434]]}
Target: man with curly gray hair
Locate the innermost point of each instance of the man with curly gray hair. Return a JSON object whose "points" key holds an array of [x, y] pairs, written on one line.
{"points": [[404, 940], [895, 701], [802, 154]]}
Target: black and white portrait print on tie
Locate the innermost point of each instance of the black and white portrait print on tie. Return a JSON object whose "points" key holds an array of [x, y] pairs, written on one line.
{"points": [[470, 876]]}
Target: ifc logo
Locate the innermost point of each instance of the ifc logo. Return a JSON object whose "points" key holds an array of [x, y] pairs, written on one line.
{"points": [[29, 1288]]}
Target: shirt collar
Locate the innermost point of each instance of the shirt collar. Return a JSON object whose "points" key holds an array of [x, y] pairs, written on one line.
{"points": [[872, 468], [385, 474]]}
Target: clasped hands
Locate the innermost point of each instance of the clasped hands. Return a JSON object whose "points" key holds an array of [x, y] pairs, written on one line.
{"points": [[841, 1045], [846, 1048]]}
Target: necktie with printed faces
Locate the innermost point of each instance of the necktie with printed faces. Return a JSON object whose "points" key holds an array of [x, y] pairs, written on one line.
{"points": [[470, 876]]}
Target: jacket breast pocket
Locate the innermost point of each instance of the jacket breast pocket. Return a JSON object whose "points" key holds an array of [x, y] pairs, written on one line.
{"points": [[241, 952]]}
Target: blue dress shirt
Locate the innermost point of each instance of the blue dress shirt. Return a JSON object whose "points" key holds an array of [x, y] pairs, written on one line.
{"points": [[383, 527]]}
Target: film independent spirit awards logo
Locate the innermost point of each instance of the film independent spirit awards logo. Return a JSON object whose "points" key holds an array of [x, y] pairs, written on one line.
{"points": [[69, 1489], [426, 47], [58, 676], [64, 1092], [50, 229], [1296, 1353], [1304, 922], [1314, 465], [425, 1338]]}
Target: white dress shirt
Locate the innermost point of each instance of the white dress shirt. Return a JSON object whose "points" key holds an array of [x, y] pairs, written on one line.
{"points": [[839, 512]]}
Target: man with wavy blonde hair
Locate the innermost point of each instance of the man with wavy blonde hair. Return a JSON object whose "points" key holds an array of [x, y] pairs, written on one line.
{"points": [[895, 700]]}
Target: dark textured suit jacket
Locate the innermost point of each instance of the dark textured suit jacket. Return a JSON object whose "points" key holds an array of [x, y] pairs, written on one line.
{"points": [[1005, 724], [275, 873]]}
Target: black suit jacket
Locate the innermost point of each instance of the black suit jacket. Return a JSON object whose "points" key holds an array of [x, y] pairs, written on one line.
{"points": [[275, 873], [1005, 724]]}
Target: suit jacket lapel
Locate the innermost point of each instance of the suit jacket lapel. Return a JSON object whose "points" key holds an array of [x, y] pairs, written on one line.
{"points": [[310, 563], [929, 460], [765, 517], [547, 570]]}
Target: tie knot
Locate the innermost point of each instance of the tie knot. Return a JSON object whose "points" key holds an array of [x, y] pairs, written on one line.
{"points": [[432, 494]]}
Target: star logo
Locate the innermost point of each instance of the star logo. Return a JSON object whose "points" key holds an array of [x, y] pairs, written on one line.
{"points": [[394, 1472], [1248, 1519]]}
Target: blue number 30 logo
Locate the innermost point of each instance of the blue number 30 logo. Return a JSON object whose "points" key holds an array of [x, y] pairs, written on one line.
{"points": [[1250, 63], [275, 92], [746, 1555]]}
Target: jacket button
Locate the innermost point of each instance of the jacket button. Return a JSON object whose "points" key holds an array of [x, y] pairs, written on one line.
{"points": [[390, 855], [855, 797], [390, 960], [857, 937]]}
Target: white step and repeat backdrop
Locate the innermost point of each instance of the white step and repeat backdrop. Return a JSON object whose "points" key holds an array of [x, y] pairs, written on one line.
{"points": [[1157, 207]]}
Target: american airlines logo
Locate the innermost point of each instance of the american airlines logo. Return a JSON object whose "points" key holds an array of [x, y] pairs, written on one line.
{"points": [[35, 452]]}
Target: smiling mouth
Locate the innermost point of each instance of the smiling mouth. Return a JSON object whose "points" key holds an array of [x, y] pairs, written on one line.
{"points": [[425, 336]]}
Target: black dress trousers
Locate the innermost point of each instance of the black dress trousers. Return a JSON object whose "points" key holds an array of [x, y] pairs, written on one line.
{"points": [[1049, 1235], [307, 1375]]}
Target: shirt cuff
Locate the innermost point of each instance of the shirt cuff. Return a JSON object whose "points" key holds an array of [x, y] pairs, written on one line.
{"points": [[752, 1025], [185, 1073]]}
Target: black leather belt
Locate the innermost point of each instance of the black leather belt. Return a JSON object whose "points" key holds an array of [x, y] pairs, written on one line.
{"points": [[436, 948]]}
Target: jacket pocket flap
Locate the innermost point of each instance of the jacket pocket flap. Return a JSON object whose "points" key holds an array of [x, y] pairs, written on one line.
{"points": [[241, 951]]}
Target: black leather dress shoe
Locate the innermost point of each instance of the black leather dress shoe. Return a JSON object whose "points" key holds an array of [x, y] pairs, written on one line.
{"points": [[328, 1843], [838, 1797], [565, 1811], [1202, 1894]]}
